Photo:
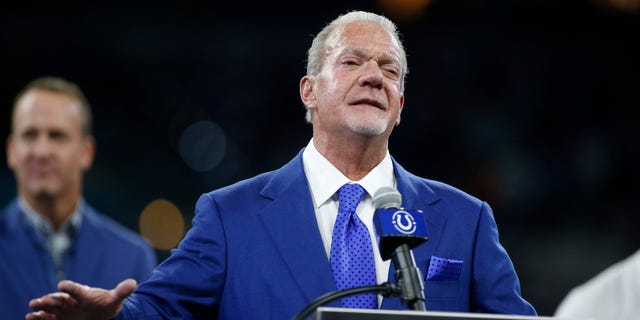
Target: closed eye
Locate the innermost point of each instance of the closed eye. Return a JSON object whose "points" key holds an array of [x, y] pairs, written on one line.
{"points": [[350, 62], [392, 73]]}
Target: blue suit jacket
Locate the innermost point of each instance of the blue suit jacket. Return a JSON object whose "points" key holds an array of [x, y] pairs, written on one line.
{"points": [[101, 254], [255, 252]]}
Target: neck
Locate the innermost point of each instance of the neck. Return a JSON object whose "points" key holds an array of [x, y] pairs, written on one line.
{"points": [[354, 156], [55, 210]]}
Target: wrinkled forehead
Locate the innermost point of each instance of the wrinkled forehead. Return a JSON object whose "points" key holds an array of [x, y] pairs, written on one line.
{"points": [[365, 36]]}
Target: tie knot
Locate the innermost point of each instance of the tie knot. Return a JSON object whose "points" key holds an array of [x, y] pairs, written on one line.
{"points": [[349, 195]]}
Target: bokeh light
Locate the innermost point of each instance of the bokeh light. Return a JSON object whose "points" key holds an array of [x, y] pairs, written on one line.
{"points": [[621, 5], [162, 224], [202, 145], [404, 10]]}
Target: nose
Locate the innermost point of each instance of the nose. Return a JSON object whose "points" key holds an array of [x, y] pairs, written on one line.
{"points": [[42, 146], [372, 75]]}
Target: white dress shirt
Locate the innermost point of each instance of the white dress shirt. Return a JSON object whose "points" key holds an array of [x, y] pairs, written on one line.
{"points": [[324, 182]]}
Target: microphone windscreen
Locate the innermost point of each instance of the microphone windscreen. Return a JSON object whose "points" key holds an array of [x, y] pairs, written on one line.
{"points": [[387, 197]]}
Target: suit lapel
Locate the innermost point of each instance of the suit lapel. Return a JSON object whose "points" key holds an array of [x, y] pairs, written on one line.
{"points": [[290, 220]]}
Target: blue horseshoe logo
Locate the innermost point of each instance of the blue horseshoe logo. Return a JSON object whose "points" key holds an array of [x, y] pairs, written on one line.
{"points": [[403, 222]]}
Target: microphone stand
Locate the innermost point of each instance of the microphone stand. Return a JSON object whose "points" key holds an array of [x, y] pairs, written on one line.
{"points": [[386, 290], [408, 278]]}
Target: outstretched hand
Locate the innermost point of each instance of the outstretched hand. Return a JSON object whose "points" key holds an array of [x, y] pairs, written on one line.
{"points": [[80, 302]]}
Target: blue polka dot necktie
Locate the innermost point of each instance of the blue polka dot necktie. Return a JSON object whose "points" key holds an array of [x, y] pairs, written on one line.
{"points": [[351, 251]]}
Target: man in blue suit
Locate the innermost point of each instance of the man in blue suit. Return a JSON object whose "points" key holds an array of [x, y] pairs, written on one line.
{"points": [[260, 248], [49, 233]]}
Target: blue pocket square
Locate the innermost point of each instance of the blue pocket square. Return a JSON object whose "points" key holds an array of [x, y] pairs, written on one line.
{"points": [[443, 269]]}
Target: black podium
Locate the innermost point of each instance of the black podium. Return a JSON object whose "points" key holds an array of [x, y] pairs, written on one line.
{"points": [[326, 313]]}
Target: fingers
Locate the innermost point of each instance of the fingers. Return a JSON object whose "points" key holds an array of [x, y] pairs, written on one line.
{"points": [[124, 289], [39, 315], [51, 300], [48, 305], [72, 288], [78, 299]]}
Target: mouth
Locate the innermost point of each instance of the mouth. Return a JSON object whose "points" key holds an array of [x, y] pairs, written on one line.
{"points": [[369, 102], [41, 170]]}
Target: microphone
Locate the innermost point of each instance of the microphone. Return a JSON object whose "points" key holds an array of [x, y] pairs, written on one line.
{"points": [[399, 230]]}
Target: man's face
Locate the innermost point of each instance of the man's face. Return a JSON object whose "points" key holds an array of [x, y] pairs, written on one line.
{"points": [[359, 87], [47, 149]]}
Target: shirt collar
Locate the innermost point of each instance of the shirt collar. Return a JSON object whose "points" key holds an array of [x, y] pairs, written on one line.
{"points": [[44, 226], [325, 179]]}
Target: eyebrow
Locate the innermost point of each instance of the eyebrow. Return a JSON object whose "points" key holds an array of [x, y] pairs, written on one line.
{"points": [[362, 53]]}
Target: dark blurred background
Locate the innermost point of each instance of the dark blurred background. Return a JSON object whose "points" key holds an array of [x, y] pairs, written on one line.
{"points": [[526, 104]]}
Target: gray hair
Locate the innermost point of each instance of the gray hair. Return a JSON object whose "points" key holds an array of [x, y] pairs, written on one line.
{"points": [[317, 52]]}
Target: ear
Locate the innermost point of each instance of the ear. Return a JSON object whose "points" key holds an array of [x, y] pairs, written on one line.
{"points": [[11, 157], [307, 93], [88, 152], [400, 109]]}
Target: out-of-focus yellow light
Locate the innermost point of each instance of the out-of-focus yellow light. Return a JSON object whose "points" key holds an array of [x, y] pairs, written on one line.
{"points": [[622, 5], [404, 10], [162, 224]]}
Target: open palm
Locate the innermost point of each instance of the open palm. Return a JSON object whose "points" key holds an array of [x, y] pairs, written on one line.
{"points": [[80, 302]]}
